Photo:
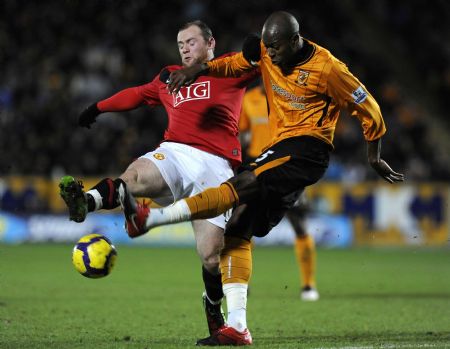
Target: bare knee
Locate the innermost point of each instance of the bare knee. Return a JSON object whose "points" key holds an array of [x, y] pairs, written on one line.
{"points": [[144, 179], [130, 177], [209, 240], [210, 260], [210, 254]]}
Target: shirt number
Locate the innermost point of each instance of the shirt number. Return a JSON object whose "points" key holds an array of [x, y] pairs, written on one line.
{"points": [[264, 155]]}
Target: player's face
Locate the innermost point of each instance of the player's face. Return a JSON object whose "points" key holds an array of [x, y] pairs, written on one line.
{"points": [[193, 47], [280, 50]]}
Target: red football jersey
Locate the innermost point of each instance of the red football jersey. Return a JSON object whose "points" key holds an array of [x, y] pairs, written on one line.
{"points": [[204, 115]]}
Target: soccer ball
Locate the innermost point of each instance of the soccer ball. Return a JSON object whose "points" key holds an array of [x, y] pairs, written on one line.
{"points": [[94, 256]]}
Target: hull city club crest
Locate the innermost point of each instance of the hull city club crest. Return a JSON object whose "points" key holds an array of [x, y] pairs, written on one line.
{"points": [[302, 77]]}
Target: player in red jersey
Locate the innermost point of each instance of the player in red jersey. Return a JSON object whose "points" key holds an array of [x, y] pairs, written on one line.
{"points": [[199, 150]]}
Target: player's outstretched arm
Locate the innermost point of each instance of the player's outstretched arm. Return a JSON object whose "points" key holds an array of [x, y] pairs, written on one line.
{"points": [[127, 99], [186, 76], [379, 165]]}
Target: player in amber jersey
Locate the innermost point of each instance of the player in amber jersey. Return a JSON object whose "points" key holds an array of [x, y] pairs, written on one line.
{"points": [[255, 137], [199, 150], [306, 86]]}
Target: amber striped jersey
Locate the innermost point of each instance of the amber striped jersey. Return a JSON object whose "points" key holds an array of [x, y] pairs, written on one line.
{"points": [[308, 100]]}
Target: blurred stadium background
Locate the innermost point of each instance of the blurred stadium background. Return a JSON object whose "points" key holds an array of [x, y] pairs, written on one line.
{"points": [[60, 56]]}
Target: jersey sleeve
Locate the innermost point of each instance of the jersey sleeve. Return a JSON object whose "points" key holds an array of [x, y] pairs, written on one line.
{"points": [[126, 99], [230, 66], [132, 98], [150, 91], [351, 94]]}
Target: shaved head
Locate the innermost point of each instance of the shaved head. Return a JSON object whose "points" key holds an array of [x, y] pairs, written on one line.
{"points": [[280, 25], [280, 36]]}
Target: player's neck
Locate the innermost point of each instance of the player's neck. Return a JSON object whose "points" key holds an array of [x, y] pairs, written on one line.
{"points": [[299, 57], [303, 53]]}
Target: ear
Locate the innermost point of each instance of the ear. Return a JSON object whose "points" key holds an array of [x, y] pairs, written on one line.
{"points": [[295, 40], [211, 43]]}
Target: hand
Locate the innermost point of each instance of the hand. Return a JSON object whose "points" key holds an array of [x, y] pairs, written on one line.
{"points": [[88, 116], [185, 77], [386, 172], [164, 76], [251, 49]]}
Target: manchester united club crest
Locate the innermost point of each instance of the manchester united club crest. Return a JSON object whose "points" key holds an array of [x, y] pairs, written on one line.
{"points": [[302, 77], [159, 156]]}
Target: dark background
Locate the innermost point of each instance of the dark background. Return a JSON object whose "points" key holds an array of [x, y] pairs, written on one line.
{"points": [[57, 57]]}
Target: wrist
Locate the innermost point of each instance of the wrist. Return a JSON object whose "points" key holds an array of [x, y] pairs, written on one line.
{"points": [[204, 68], [93, 109], [372, 161], [374, 151]]}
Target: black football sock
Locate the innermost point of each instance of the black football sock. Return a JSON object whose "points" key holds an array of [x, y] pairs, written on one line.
{"points": [[213, 285], [108, 190]]}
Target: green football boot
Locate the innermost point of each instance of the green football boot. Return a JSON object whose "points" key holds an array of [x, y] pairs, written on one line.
{"points": [[73, 195]]}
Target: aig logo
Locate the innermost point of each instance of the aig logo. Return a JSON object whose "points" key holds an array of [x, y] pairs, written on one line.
{"points": [[199, 90]]}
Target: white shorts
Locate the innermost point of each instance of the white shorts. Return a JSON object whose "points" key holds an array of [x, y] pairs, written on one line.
{"points": [[188, 171]]}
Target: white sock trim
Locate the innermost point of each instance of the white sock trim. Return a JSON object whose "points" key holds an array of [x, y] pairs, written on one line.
{"points": [[178, 212], [211, 301], [236, 295], [97, 198]]}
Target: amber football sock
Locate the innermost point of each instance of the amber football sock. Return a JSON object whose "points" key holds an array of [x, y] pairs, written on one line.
{"points": [[305, 252], [213, 201], [236, 260], [207, 204]]}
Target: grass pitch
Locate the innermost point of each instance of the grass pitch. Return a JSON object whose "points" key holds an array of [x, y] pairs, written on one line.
{"points": [[390, 298]]}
